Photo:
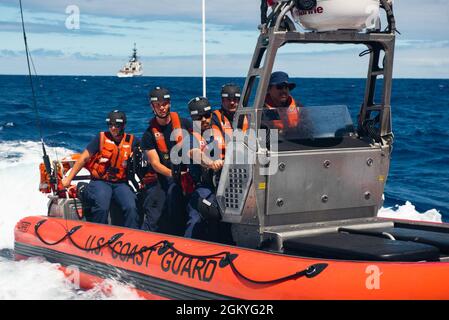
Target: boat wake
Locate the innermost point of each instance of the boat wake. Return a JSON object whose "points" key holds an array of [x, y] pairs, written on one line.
{"points": [[408, 212], [39, 279], [35, 278]]}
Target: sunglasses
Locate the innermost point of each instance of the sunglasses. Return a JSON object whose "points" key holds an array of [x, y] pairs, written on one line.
{"points": [[116, 125], [282, 86], [200, 117], [232, 99]]}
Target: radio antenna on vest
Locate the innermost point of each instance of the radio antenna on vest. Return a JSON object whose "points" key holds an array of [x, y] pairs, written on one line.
{"points": [[36, 110], [204, 46]]}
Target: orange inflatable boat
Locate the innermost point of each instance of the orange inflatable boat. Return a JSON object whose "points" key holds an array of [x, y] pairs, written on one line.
{"points": [[167, 267]]}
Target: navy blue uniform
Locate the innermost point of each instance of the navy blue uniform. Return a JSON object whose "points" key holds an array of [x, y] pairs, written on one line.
{"points": [[100, 193], [164, 204], [198, 225]]}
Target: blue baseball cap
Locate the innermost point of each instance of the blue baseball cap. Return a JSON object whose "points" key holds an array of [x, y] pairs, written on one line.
{"points": [[280, 77]]}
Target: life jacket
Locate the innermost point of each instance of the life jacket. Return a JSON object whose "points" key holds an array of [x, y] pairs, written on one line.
{"points": [[161, 146], [201, 141], [61, 169], [44, 185], [110, 163], [203, 175], [289, 116], [223, 133]]}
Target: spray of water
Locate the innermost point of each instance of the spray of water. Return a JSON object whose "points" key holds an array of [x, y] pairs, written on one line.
{"points": [[20, 197]]}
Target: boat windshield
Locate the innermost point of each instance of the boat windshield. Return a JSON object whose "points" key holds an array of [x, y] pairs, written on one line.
{"points": [[310, 123]]}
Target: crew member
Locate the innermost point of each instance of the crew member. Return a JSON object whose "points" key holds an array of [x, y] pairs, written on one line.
{"points": [[203, 215], [282, 103], [223, 118], [106, 158], [164, 204]]}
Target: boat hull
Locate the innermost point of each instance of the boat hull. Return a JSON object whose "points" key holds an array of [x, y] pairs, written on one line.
{"points": [[161, 266], [129, 75]]}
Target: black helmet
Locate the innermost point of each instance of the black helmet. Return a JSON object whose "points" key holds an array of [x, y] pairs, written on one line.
{"points": [[230, 90], [199, 106], [116, 117], [159, 94]]}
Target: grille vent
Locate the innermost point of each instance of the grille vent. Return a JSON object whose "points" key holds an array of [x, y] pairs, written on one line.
{"points": [[237, 180]]}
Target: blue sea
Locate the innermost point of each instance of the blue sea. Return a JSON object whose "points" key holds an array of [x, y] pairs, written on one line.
{"points": [[73, 108]]}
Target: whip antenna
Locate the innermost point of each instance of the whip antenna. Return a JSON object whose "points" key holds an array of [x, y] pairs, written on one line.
{"points": [[204, 46], [36, 110]]}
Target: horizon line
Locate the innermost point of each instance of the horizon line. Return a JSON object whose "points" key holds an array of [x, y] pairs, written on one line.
{"points": [[200, 77]]}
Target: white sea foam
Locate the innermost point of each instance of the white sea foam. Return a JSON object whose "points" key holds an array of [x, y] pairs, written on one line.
{"points": [[20, 197], [37, 279], [408, 212], [19, 183]]}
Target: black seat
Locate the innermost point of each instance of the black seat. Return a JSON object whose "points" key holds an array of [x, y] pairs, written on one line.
{"points": [[360, 247], [437, 239]]}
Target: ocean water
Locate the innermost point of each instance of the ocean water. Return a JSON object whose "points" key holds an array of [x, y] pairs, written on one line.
{"points": [[73, 109]]}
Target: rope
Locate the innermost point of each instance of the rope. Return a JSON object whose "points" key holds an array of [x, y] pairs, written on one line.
{"points": [[310, 272], [226, 258]]}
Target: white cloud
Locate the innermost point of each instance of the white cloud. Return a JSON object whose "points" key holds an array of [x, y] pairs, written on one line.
{"points": [[168, 36], [232, 12], [426, 18]]}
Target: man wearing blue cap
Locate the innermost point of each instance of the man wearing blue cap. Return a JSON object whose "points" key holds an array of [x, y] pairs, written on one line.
{"points": [[279, 100]]}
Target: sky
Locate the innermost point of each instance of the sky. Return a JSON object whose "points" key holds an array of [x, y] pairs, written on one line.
{"points": [[168, 38]]}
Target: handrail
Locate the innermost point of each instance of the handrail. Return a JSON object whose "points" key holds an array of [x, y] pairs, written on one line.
{"points": [[385, 4], [287, 8]]}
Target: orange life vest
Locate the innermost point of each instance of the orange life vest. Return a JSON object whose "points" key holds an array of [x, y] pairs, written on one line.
{"points": [[186, 182], [161, 146], [200, 139], [223, 133], [110, 162], [289, 116], [61, 169], [44, 185], [203, 147]]}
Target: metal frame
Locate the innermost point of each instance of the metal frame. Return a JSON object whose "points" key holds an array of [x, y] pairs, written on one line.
{"points": [[250, 219], [283, 31]]}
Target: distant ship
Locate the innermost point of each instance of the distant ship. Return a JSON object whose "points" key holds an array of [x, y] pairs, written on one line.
{"points": [[132, 68]]}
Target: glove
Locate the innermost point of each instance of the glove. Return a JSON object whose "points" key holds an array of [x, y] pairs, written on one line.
{"points": [[208, 210], [176, 173]]}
